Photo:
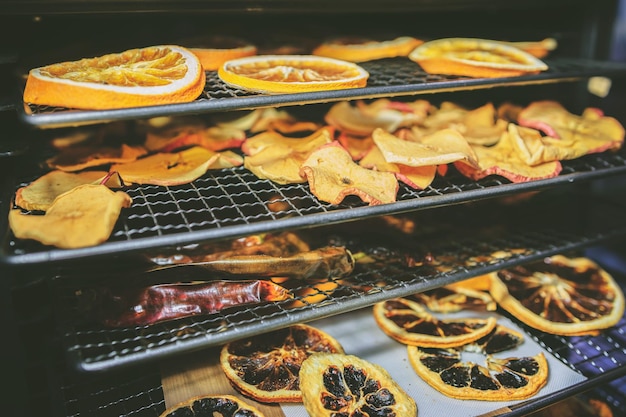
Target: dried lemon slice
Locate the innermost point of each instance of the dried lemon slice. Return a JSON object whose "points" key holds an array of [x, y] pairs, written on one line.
{"points": [[475, 58], [407, 321], [361, 50], [500, 380], [346, 385], [291, 73], [213, 405], [266, 367], [560, 295], [138, 77]]}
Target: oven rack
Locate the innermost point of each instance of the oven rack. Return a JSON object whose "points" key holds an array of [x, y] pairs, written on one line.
{"points": [[497, 237], [388, 78], [139, 392], [233, 202]]}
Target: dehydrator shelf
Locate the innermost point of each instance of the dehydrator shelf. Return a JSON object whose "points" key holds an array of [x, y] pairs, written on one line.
{"points": [[388, 78], [232, 203], [450, 251]]}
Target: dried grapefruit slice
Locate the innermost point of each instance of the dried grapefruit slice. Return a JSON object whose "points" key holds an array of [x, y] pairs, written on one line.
{"points": [[336, 384], [362, 49], [475, 58], [212, 405], [291, 73], [407, 321], [500, 380], [267, 367], [560, 295], [137, 77]]}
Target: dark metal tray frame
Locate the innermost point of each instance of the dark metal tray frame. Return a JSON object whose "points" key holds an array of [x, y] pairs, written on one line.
{"points": [[388, 78]]}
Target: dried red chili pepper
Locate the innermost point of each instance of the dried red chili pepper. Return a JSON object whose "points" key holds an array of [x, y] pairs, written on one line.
{"points": [[125, 307]]}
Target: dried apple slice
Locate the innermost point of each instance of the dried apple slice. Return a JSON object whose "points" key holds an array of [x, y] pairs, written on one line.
{"points": [[169, 168], [357, 146], [278, 158], [332, 175], [214, 138], [81, 157], [415, 177], [40, 194], [504, 160], [361, 119], [440, 148], [84, 216], [591, 132]]}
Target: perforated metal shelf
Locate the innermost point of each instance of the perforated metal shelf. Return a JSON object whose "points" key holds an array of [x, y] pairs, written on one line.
{"points": [[388, 78]]}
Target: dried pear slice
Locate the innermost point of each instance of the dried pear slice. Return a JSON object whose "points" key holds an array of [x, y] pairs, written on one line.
{"points": [[472, 57], [267, 367], [346, 385], [213, 405], [502, 379], [560, 295], [407, 321]]}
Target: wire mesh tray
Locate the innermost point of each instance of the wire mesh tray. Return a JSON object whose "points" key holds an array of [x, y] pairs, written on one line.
{"points": [[388, 78], [234, 202], [446, 249], [601, 359]]}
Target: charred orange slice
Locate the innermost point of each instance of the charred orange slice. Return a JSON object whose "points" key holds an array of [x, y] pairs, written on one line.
{"points": [[291, 74], [138, 77], [450, 299], [499, 379], [361, 49], [335, 384], [267, 367], [213, 51], [475, 58], [407, 321], [560, 295], [212, 405]]}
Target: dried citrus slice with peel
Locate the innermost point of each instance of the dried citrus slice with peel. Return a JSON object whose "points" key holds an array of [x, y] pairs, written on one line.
{"points": [[267, 367], [335, 384], [408, 322], [213, 51], [560, 295], [500, 379], [475, 58], [361, 49], [291, 74], [138, 77], [212, 405]]}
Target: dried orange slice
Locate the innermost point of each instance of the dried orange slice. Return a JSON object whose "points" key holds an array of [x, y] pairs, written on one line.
{"points": [[502, 379], [212, 405], [362, 49], [291, 74], [267, 367], [335, 384], [475, 58], [407, 321], [138, 77], [450, 299], [213, 51], [560, 295]]}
